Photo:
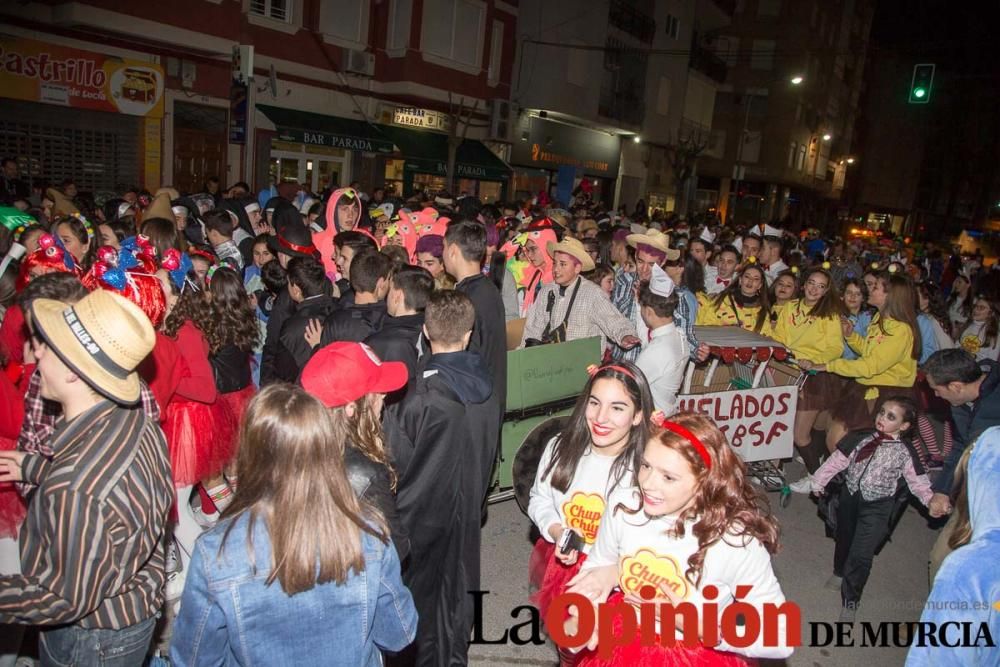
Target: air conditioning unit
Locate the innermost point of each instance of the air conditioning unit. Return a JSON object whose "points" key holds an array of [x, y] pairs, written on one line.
{"points": [[500, 120], [359, 62]]}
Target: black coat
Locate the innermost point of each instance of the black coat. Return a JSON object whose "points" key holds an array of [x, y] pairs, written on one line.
{"points": [[438, 437], [231, 367], [353, 323], [398, 340], [282, 308], [489, 333], [371, 483], [294, 351]]}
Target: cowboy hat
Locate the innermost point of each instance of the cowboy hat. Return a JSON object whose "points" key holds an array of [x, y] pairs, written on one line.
{"points": [[62, 205], [103, 338], [654, 239], [294, 240], [573, 248], [160, 207]]}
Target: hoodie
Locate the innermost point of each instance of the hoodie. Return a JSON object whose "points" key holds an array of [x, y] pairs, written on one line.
{"points": [[324, 239], [969, 575], [465, 373]]}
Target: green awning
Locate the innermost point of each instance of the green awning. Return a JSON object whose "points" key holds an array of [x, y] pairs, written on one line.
{"points": [[330, 131], [427, 153]]}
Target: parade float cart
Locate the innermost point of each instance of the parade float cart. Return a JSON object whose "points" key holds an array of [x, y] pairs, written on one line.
{"points": [[751, 390], [543, 383]]}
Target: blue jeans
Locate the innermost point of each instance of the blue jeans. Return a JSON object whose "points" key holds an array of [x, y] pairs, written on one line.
{"points": [[82, 647]]}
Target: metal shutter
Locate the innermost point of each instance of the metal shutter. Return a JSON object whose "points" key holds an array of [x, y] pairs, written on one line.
{"points": [[100, 151]]}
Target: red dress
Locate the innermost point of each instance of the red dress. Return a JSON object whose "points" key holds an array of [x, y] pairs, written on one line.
{"points": [[12, 508], [199, 427]]}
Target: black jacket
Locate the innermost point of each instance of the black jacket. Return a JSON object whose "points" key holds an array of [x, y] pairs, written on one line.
{"points": [[489, 333], [398, 340], [353, 323], [438, 457], [231, 367], [294, 351], [371, 483], [346, 293], [282, 308], [970, 421]]}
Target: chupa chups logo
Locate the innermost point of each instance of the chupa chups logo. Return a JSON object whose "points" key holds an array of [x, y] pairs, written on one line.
{"points": [[647, 568], [583, 512]]}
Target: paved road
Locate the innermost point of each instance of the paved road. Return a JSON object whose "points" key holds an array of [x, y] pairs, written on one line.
{"points": [[896, 590]]}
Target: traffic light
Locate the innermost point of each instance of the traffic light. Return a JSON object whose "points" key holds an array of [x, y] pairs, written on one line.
{"points": [[920, 86]]}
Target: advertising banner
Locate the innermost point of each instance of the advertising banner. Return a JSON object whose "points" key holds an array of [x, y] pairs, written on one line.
{"points": [[40, 72]]}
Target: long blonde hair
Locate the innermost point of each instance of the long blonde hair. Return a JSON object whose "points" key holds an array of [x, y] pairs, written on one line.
{"points": [[292, 477]]}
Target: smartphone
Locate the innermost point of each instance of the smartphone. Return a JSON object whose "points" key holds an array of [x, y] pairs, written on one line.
{"points": [[569, 541]]}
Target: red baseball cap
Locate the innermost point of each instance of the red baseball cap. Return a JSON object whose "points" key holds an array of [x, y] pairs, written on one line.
{"points": [[343, 372]]}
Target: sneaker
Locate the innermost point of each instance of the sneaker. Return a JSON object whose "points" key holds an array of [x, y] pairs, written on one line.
{"points": [[174, 587], [833, 583], [173, 560], [847, 613], [804, 485]]}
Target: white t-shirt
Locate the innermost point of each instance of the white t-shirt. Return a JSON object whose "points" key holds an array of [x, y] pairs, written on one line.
{"points": [[973, 341], [663, 361], [646, 555], [712, 283], [582, 504]]}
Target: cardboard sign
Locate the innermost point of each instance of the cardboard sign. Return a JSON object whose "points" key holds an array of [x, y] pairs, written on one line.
{"points": [[757, 422], [40, 72]]}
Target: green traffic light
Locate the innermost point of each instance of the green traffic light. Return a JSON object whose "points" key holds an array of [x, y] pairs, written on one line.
{"points": [[919, 92]]}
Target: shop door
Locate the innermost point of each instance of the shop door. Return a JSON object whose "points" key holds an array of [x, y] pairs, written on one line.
{"points": [[316, 171], [200, 136]]}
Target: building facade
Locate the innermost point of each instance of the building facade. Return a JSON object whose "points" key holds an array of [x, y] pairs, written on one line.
{"points": [[333, 91], [783, 123], [607, 91]]}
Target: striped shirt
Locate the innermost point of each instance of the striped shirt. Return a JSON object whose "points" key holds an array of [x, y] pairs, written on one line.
{"points": [[92, 544]]}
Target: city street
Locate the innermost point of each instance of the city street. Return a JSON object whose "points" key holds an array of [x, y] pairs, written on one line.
{"points": [[896, 590]]}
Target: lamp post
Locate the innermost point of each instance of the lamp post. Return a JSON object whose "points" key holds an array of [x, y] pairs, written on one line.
{"points": [[795, 80]]}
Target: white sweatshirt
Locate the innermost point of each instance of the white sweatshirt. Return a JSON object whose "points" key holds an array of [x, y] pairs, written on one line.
{"points": [[583, 503], [645, 555]]}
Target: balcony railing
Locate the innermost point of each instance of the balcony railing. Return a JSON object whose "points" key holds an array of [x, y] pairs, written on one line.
{"points": [[704, 61], [631, 21]]}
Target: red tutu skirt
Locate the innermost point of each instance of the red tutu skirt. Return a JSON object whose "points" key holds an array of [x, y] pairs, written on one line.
{"points": [[237, 402], [547, 576], [636, 655], [201, 439], [12, 507]]}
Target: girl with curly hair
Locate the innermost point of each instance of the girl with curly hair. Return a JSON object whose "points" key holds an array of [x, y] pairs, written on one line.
{"points": [[692, 522], [232, 332]]}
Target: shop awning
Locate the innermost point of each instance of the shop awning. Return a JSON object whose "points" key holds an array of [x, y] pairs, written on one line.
{"points": [[331, 131], [427, 152]]}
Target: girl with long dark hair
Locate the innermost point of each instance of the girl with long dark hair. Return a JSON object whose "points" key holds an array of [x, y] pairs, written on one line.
{"points": [[959, 303], [745, 303], [581, 466], [693, 519], [298, 567]]}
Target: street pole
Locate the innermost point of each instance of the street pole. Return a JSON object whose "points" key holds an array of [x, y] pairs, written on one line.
{"points": [[739, 152]]}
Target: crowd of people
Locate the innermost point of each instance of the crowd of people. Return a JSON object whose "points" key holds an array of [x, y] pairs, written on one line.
{"points": [[275, 417]]}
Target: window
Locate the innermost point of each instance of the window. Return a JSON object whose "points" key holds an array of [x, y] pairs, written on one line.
{"points": [[663, 96], [673, 26], [346, 21], [398, 40], [762, 56], [728, 49], [279, 10], [800, 164], [751, 146], [768, 7], [496, 53], [453, 30], [792, 152]]}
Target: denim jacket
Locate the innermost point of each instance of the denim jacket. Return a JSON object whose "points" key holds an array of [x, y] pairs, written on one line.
{"points": [[229, 616]]}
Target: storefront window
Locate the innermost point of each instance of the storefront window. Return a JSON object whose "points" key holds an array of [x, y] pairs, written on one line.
{"points": [[394, 177], [316, 167], [490, 191], [529, 182], [429, 182]]}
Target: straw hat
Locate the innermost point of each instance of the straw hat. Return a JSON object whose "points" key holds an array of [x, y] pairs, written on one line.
{"points": [[160, 207], [63, 205], [654, 238], [586, 225], [102, 339], [574, 248]]}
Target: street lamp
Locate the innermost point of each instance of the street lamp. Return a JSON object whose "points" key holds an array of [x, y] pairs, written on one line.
{"points": [[850, 160], [827, 137], [636, 138], [795, 80]]}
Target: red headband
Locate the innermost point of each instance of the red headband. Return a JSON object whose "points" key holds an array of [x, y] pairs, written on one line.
{"points": [[659, 419], [593, 369], [305, 249]]}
